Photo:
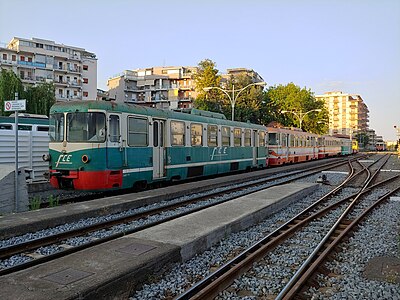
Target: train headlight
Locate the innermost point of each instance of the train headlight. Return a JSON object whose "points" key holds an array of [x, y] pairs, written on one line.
{"points": [[85, 158], [46, 157]]}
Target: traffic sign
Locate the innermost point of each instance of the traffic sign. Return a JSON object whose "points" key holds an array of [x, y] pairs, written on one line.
{"points": [[15, 105]]}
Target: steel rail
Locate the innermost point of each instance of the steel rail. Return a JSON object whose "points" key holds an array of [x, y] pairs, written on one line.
{"points": [[328, 237], [211, 285], [56, 238], [342, 234], [45, 241]]}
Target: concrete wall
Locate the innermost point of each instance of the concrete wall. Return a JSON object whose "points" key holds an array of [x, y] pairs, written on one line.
{"points": [[7, 188]]}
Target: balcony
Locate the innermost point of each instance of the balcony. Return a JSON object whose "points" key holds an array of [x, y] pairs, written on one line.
{"points": [[31, 64], [75, 83], [28, 79], [7, 62], [61, 82], [61, 97], [74, 70], [76, 57]]}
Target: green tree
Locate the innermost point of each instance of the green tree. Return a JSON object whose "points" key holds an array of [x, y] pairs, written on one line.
{"points": [[291, 97], [9, 85], [40, 98], [362, 139], [207, 76]]}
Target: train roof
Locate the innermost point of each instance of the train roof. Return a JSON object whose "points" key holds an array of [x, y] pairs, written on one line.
{"points": [[111, 106], [25, 120]]}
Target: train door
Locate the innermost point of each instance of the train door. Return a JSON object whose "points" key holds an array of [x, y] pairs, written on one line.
{"points": [[287, 138], [314, 147], [254, 143], [115, 149], [158, 149]]}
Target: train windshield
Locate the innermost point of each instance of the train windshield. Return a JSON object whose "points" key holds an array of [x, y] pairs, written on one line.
{"points": [[86, 127], [56, 130]]}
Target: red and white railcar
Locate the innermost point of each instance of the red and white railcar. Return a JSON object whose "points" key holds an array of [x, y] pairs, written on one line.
{"points": [[290, 145], [329, 146]]}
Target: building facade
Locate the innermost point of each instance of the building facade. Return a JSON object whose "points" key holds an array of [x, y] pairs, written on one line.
{"points": [[348, 114], [163, 87], [236, 72], [73, 70]]}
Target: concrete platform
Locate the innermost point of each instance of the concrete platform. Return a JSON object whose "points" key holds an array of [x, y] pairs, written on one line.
{"points": [[114, 269], [17, 224]]}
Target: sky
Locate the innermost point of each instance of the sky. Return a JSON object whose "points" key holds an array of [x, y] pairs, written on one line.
{"points": [[338, 45]]}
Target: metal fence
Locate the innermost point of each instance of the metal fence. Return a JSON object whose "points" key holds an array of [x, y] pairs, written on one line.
{"points": [[31, 147]]}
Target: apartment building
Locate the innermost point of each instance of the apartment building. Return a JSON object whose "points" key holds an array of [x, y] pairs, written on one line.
{"points": [[162, 87], [348, 114], [236, 72], [73, 70]]}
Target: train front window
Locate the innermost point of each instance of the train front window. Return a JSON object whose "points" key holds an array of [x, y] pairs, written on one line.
{"points": [[86, 127], [56, 130]]}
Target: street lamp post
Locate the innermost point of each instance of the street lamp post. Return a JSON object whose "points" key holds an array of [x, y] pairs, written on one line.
{"points": [[300, 115], [233, 98]]}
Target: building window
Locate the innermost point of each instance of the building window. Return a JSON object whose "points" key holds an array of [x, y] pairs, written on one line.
{"points": [[30, 59], [85, 80], [85, 94], [22, 58], [85, 67], [13, 57], [4, 56]]}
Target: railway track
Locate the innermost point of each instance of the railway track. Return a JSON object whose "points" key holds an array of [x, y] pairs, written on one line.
{"points": [[41, 249], [256, 256]]}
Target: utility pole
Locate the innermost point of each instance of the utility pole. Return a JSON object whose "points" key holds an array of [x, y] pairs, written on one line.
{"points": [[15, 106]]}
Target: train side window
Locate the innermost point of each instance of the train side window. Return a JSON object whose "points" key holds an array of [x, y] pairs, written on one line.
{"points": [[291, 140], [212, 135], [226, 136], [247, 137], [237, 137], [42, 128], [155, 134], [114, 129], [177, 133], [284, 140], [6, 126], [261, 139], [196, 134], [272, 138], [25, 127], [138, 132]]}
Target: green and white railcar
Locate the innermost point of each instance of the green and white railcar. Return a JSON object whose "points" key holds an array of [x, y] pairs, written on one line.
{"points": [[99, 145]]}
